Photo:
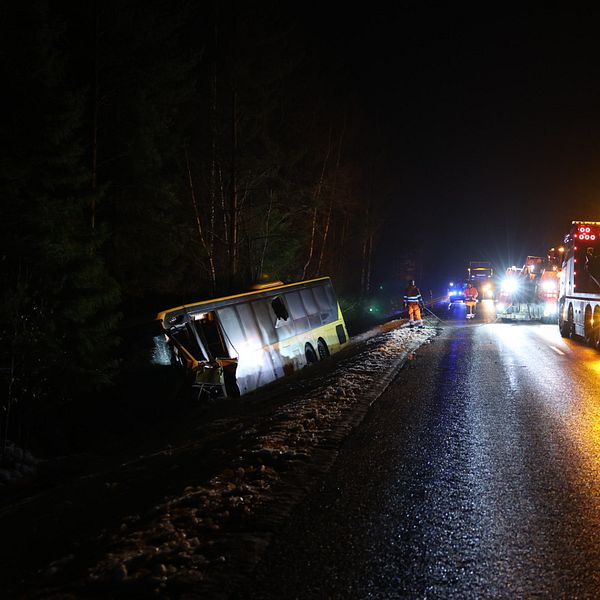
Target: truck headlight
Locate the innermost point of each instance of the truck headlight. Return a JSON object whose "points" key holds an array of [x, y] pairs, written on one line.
{"points": [[510, 285]]}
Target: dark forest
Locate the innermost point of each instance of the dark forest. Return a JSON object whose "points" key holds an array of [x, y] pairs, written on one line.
{"points": [[157, 153]]}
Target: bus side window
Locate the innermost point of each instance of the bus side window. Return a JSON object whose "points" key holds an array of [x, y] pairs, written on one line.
{"points": [[309, 302], [327, 308], [252, 335], [234, 333], [330, 295], [312, 310], [297, 312], [264, 321], [280, 310]]}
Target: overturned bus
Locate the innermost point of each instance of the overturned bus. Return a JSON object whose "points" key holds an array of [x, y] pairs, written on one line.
{"points": [[236, 344]]}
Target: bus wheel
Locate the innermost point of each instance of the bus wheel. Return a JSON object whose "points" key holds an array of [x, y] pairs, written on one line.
{"points": [[322, 349], [311, 355]]}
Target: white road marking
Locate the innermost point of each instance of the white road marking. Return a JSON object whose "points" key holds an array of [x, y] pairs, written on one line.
{"points": [[557, 350]]}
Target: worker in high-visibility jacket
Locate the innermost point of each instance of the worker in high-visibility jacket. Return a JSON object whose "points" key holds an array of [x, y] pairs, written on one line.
{"points": [[413, 301], [470, 299]]}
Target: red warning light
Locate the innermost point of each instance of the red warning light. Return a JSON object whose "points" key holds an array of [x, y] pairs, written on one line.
{"points": [[592, 237]]}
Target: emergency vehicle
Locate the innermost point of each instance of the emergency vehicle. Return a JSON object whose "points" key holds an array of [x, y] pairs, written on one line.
{"points": [[530, 292], [456, 292], [579, 295]]}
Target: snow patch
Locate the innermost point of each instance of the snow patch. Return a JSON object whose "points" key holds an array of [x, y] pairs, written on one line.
{"points": [[184, 540]]}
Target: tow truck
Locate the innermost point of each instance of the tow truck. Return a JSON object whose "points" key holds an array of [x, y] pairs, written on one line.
{"points": [[579, 294], [530, 292]]}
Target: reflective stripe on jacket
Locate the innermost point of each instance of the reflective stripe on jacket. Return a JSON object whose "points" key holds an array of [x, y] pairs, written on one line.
{"points": [[412, 294]]}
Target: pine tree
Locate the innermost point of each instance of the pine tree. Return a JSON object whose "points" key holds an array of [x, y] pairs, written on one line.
{"points": [[58, 307], [142, 81]]}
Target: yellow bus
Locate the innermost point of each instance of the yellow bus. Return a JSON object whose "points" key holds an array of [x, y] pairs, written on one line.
{"points": [[236, 344]]}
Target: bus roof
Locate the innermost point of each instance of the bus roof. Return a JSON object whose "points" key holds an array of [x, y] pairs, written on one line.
{"points": [[226, 300]]}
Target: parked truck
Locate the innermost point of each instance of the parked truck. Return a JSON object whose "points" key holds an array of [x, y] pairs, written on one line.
{"points": [[481, 275]]}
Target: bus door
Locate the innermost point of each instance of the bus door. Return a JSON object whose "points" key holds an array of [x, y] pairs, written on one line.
{"points": [[201, 336], [210, 333]]}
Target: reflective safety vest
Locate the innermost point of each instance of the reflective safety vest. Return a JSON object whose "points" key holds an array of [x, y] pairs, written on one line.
{"points": [[412, 294], [470, 294]]}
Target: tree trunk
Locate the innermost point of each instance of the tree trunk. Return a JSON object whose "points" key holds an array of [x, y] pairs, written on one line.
{"points": [[213, 165], [210, 256], [95, 100], [316, 197], [264, 250], [331, 200], [369, 264], [312, 242], [233, 202]]}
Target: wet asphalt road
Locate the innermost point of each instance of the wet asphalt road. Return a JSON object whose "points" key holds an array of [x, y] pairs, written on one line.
{"points": [[476, 475]]}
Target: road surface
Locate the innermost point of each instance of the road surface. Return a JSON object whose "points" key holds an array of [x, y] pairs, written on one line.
{"points": [[476, 475]]}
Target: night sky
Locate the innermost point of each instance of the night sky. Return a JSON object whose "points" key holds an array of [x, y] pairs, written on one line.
{"points": [[467, 134], [489, 118]]}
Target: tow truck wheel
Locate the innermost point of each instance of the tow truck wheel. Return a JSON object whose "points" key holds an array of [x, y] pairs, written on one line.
{"points": [[589, 329], [570, 323], [562, 324], [596, 331]]}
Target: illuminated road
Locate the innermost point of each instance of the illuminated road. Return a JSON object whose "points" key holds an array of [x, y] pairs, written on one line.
{"points": [[477, 475]]}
